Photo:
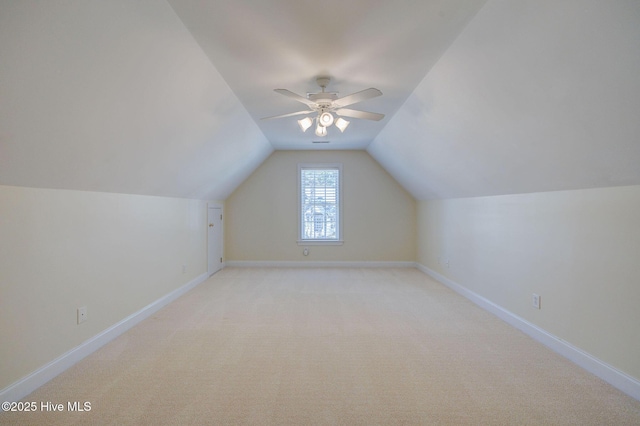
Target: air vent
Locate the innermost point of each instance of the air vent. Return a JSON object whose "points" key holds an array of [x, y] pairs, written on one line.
{"points": [[320, 141]]}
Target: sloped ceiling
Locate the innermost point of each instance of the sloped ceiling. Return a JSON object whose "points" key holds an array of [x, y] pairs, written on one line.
{"points": [[158, 98], [532, 96], [116, 96]]}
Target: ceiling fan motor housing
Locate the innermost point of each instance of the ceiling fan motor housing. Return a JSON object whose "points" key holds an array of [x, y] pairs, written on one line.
{"points": [[322, 97]]}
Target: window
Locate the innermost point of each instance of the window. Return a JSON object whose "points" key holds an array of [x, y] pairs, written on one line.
{"points": [[320, 193]]}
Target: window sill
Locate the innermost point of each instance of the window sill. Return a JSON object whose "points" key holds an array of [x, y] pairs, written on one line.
{"points": [[320, 242]]}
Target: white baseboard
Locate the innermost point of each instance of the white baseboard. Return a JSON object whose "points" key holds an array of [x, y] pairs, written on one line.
{"points": [[33, 381], [609, 374], [316, 264]]}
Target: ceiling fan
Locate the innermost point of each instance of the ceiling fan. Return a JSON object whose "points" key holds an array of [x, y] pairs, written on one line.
{"points": [[325, 104]]}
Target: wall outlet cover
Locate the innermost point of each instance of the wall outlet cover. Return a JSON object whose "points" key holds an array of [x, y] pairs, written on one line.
{"points": [[82, 314], [535, 301]]}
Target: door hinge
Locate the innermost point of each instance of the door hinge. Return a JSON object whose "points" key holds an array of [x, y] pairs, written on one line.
{"points": [[220, 260], [220, 217]]}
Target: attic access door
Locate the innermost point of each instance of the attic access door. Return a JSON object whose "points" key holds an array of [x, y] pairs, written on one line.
{"points": [[214, 240]]}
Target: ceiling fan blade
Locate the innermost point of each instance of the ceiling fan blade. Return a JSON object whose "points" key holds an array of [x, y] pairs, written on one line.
{"points": [[287, 115], [290, 94], [357, 97], [346, 112]]}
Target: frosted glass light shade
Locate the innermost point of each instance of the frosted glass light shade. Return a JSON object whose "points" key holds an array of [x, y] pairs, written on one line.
{"points": [[326, 119], [305, 123], [342, 124]]}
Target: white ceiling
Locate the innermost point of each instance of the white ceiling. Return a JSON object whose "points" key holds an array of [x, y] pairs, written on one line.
{"points": [[165, 99], [116, 96], [532, 96], [258, 46]]}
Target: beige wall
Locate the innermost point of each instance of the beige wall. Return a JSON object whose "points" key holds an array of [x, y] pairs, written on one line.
{"points": [[579, 250], [112, 253], [379, 215]]}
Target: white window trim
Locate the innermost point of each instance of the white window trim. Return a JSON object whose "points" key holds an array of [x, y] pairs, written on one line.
{"points": [[316, 242]]}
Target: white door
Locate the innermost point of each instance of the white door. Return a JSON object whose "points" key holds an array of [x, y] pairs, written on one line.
{"points": [[214, 239]]}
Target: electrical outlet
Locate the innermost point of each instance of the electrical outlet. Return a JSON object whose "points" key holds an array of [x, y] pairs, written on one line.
{"points": [[82, 314], [535, 301], [443, 262], [184, 269]]}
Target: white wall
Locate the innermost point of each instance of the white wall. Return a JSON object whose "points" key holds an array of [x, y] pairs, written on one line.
{"points": [[261, 215], [62, 249], [579, 250]]}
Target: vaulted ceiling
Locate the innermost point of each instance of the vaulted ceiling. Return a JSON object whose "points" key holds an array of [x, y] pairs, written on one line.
{"points": [[165, 98]]}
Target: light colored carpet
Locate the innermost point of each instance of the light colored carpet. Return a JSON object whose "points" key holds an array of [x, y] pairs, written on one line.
{"points": [[328, 346]]}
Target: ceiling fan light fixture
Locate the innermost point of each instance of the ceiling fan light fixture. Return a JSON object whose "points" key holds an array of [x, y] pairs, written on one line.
{"points": [[305, 123], [323, 105], [321, 130], [342, 124], [326, 119]]}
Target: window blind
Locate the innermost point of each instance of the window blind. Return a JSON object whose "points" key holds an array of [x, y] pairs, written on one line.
{"points": [[319, 199]]}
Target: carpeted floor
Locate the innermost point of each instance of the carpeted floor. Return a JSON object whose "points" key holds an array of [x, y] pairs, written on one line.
{"points": [[327, 346]]}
